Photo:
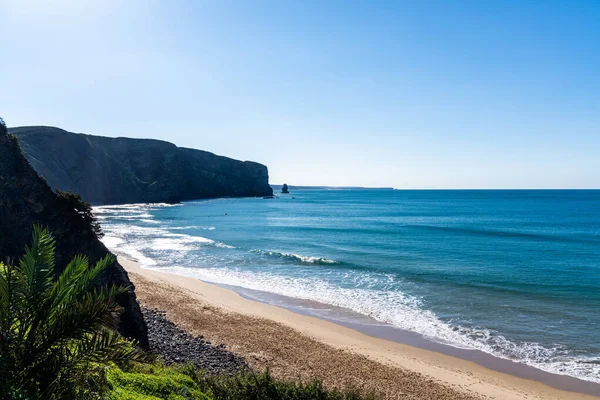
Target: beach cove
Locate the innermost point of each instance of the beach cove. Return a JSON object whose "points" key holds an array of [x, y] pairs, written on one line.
{"points": [[299, 346], [481, 275]]}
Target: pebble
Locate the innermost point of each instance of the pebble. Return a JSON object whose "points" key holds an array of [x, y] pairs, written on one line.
{"points": [[177, 346]]}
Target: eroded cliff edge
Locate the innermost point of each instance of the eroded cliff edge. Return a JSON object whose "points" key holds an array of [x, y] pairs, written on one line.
{"points": [[25, 200], [107, 170]]}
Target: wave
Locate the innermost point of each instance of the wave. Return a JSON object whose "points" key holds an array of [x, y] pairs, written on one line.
{"points": [[136, 239], [183, 228], [298, 258], [135, 206], [199, 239], [131, 216], [359, 288], [405, 312], [112, 241], [131, 252]]}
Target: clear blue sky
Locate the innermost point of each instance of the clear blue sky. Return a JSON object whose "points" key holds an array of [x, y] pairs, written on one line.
{"points": [[415, 94]]}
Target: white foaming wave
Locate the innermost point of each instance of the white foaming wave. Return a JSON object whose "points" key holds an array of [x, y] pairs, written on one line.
{"points": [[297, 257], [168, 244], [224, 246], [155, 238], [163, 205], [132, 252], [150, 221], [128, 211], [112, 241], [199, 239], [130, 216], [135, 206], [122, 230], [311, 259], [181, 228], [118, 245], [404, 312]]}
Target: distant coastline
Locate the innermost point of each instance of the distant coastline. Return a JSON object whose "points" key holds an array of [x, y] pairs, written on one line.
{"points": [[278, 187]]}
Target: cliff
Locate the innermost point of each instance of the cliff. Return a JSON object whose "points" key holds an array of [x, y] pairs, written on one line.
{"points": [[26, 199], [121, 170]]}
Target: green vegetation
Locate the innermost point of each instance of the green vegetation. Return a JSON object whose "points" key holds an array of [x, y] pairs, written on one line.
{"points": [[82, 208], [57, 342], [153, 382], [55, 332], [262, 386]]}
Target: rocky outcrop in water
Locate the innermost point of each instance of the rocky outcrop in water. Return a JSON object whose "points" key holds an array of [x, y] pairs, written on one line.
{"points": [[26, 199], [107, 170]]}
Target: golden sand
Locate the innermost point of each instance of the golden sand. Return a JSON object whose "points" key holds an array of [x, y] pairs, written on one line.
{"points": [[297, 346]]}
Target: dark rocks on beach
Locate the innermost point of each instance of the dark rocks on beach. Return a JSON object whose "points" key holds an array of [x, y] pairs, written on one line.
{"points": [[284, 188], [177, 346]]}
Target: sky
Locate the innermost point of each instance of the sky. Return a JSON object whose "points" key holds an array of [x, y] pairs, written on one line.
{"points": [[407, 94]]}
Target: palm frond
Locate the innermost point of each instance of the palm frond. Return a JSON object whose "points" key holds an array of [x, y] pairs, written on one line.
{"points": [[52, 329], [66, 284], [36, 273]]}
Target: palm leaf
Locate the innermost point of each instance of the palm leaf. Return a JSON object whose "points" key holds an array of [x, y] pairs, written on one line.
{"points": [[53, 329]]}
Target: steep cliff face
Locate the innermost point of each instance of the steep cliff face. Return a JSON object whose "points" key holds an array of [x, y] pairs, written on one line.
{"points": [[120, 170], [25, 200]]}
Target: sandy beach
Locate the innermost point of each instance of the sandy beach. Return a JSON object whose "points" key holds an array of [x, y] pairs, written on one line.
{"points": [[298, 346]]}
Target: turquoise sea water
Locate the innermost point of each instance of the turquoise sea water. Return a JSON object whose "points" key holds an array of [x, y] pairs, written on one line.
{"points": [[512, 273]]}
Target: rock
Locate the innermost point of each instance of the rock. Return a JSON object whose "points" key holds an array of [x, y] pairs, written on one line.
{"points": [[177, 346], [284, 188], [25, 200], [107, 170]]}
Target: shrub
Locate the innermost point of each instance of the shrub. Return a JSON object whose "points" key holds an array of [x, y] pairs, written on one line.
{"points": [[155, 381], [262, 386], [84, 209], [152, 382], [55, 334]]}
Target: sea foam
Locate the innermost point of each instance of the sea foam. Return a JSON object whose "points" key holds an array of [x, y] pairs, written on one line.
{"points": [[135, 232]]}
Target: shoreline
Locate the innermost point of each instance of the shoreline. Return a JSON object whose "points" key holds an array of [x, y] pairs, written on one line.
{"points": [[381, 330], [466, 378]]}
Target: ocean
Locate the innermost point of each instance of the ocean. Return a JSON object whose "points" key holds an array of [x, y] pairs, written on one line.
{"points": [[515, 274]]}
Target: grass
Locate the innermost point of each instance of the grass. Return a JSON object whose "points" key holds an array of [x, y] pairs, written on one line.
{"points": [[156, 381]]}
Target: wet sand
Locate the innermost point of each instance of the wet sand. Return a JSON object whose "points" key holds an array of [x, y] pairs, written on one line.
{"points": [[293, 345]]}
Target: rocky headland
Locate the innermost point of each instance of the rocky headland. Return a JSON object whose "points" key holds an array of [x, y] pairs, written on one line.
{"points": [[120, 170]]}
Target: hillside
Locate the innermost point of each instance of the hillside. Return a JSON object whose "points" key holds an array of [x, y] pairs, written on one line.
{"points": [[25, 200], [107, 170]]}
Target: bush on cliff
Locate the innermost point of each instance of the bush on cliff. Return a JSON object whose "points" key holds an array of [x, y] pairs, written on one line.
{"points": [[83, 209], [55, 334], [152, 382], [262, 386], [155, 381]]}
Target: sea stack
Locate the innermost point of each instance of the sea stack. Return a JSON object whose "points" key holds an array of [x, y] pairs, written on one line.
{"points": [[284, 188]]}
